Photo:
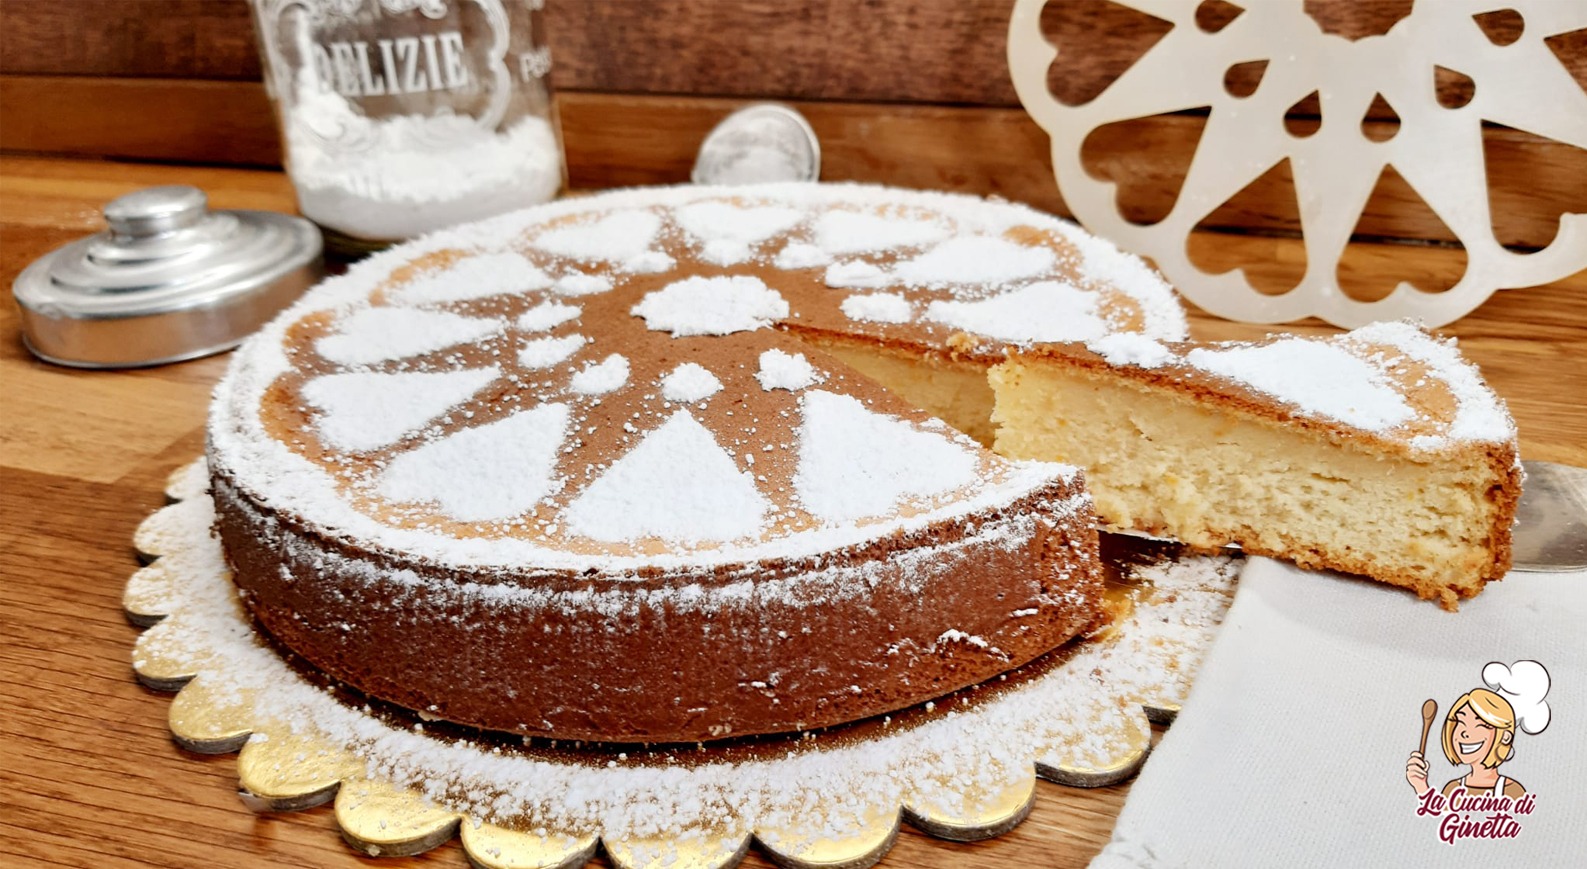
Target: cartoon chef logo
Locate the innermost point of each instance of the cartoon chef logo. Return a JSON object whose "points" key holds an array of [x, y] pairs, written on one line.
{"points": [[1479, 732]]}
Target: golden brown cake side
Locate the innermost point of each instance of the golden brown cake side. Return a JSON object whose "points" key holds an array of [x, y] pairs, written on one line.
{"points": [[684, 655], [1176, 451]]}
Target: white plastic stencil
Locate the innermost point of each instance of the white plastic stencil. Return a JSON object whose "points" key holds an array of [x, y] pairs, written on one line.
{"points": [[1437, 150]]}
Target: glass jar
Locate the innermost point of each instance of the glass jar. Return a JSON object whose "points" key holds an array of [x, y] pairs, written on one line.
{"points": [[399, 117]]}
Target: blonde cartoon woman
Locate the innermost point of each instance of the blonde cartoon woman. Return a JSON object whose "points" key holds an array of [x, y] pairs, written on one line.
{"points": [[1480, 729]]}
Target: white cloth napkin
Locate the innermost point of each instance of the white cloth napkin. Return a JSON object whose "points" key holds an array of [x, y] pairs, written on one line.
{"points": [[1292, 746]]}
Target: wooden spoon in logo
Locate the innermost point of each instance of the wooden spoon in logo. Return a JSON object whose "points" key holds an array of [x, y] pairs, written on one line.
{"points": [[1429, 709]]}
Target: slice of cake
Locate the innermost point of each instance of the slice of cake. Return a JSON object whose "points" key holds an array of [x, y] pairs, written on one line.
{"points": [[1379, 452]]}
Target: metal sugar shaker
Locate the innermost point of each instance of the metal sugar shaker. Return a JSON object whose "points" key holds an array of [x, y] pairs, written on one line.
{"points": [[168, 280]]}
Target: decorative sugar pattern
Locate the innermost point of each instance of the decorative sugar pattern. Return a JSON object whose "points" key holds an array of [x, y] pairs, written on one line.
{"points": [[552, 353], [1387, 378], [623, 307]]}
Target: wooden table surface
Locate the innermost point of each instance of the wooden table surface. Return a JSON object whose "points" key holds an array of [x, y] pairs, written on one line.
{"points": [[88, 772]]}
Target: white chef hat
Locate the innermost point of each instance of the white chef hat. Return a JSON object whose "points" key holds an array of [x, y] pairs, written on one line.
{"points": [[1524, 684]]}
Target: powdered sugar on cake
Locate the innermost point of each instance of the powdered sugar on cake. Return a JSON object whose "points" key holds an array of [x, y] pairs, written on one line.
{"points": [[678, 484], [546, 316], [1323, 378], [1045, 311], [712, 221], [689, 382], [648, 263], [361, 410], [975, 259], [449, 473], [856, 274], [799, 255], [1479, 415], [855, 464], [1350, 378], [475, 278], [1126, 348], [782, 370], [581, 284], [602, 377], [614, 237], [844, 232], [878, 308], [512, 326], [548, 352], [382, 334], [712, 306]]}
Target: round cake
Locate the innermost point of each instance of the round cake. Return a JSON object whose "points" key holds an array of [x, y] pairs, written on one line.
{"points": [[620, 468]]}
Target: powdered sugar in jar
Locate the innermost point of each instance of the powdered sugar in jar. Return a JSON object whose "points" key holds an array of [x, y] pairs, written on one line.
{"points": [[404, 116]]}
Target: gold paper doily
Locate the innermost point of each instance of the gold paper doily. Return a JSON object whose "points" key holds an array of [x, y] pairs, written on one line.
{"points": [[954, 769]]}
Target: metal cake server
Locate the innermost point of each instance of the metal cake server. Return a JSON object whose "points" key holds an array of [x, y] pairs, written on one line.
{"points": [[1551, 521]]}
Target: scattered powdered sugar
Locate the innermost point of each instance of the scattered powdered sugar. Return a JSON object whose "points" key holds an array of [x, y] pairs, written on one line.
{"points": [[975, 259], [724, 251], [364, 410], [856, 274], [689, 382], [1479, 414], [474, 277], [649, 262], [383, 334], [678, 484], [546, 316], [800, 255], [857, 464], [711, 221], [1131, 348], [1083, 712], [842, 231], [954, 635], [546, 352], [744, 587], [493, 471], [605, 376], [711, 306], [1043, 311], [1319, 378], [790, 371], [1103, 264], [878, 308], [581, 284], [616, 236]]}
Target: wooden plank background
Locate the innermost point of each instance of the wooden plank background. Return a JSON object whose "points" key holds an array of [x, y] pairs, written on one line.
{"points": [[913, 92]]}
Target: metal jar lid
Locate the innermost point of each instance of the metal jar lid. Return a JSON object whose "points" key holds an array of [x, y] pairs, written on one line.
{"points": [[169, 280]]}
